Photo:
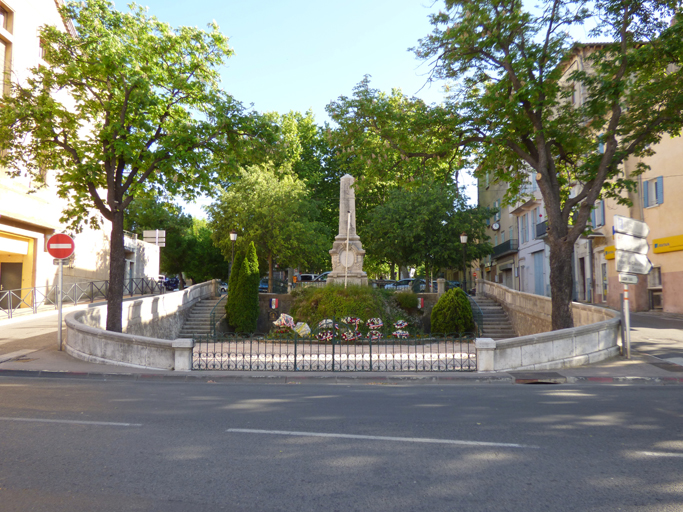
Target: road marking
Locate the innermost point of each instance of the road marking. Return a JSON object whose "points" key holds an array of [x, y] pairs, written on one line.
{"points": [[662, 454], [74, 422], [14, 355], [379, 438]]}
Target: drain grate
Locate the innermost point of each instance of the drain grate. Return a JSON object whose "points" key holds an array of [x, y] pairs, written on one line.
{"points": [[538, 378], [669, 367]]}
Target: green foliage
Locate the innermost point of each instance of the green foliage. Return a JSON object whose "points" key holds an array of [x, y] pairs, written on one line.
{"points": [[453, 313], [406, 299], [231, 302], [246, 305], [313, 304], [271, 209], [521, 105]]}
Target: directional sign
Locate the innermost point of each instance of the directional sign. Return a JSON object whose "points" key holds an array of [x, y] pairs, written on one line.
{"points": [[632, 263], [630, 243], [60, 246], [628, 279], [630, 227]]}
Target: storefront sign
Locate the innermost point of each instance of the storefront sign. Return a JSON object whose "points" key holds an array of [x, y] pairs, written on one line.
{"points": [[668, 244], [609, 252]]}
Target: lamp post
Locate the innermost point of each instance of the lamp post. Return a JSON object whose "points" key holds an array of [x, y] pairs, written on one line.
{"points": [[463, 241], [233, 237]]}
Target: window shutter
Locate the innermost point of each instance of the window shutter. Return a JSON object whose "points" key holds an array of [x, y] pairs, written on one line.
{"points": [[602, 211], [593, 218], [646, 197], [659, 189]]}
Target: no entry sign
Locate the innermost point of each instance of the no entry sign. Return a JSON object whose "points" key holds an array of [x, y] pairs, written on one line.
{"points": [[60, 246]]}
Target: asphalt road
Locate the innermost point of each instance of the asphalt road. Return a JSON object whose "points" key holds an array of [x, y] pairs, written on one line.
{"points": [[72, 445]]}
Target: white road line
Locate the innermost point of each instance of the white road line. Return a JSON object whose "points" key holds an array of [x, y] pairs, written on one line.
{"points": [[379, 438], [73, 422], [14, 355], [662, 454], [60, 246]]}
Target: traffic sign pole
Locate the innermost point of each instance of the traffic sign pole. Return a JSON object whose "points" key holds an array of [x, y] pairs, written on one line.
{"points": [[60, 287], [627, 324]]}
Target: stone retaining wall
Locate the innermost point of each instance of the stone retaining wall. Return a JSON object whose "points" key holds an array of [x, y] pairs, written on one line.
{"points": [[594, 338], [150, 325]]}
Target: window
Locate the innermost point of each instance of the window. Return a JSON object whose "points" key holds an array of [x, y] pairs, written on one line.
{"points": [[654, 278], [511, 233], [488, 180], [598, 214], [523, 230], [3, 18], [495, 240], [5, 49], [502, 237], [653, 192], [496, 205]]}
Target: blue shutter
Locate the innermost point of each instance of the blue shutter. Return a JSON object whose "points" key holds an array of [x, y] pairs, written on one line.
{"points": [[602, 209], [659, 189], [646, 197], [593, 218]]}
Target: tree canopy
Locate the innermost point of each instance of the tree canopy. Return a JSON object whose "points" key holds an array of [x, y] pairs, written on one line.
{"points": [[129, 105], [526, 97]]}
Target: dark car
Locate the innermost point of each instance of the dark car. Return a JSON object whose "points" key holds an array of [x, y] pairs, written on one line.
{"points": [[172, 283]]}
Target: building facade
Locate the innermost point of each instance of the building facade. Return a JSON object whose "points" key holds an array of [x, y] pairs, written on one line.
{"points": [[30, 215]]}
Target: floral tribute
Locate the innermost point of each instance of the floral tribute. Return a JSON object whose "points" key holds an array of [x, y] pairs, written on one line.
{"points": [[352, 320], [375, 324], [400, 331], [284, 321], [327, 333]]}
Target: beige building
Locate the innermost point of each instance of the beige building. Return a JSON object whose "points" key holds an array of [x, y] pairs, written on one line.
{"points": [[27, 217]]}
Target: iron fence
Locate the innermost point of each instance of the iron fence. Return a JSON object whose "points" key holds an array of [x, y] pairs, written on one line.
{"points": [[428, 353], [31, 300]]}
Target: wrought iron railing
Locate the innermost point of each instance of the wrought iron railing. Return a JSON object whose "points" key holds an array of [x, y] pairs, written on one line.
{"points": [[542, 229], [426, 353], [506, 247], [31, 300]]}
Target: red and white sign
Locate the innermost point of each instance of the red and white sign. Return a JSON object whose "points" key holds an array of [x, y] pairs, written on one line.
{"points": [[60, 246]]}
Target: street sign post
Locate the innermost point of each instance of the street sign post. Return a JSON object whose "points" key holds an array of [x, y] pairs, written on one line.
{"points": [[60, 247], [630, 241]]}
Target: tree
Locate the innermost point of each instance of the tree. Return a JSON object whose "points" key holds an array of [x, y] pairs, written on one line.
{"points": [[272, 210], [232, 301], [246, 305], [512, 96], [423, 226], [128, 106]]}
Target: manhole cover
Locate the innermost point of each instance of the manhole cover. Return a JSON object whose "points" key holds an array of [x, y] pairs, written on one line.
{"points": [[538, 378], [669, 367]]}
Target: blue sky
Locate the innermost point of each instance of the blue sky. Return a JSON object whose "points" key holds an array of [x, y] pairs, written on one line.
{"points": [[303, 54]]}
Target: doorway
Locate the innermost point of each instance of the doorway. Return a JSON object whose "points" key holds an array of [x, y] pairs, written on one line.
{"points": [[10, 279], [582, 279]]}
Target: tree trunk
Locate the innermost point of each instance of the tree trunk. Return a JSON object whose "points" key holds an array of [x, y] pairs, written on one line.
{"points": [[117, 273], [270, 273], [392, 274], [561, 285]]}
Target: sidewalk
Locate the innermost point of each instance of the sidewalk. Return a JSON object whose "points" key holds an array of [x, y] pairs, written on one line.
{"points": [[28, 348]]}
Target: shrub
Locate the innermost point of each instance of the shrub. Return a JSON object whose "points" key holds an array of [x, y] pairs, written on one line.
{"points": [[232, 287], [313, 304], [246, 305], [453, 313], [406, 299]]}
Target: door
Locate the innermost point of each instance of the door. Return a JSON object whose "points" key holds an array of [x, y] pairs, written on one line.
{"points": [[582, 278], [539, 289], [604, 282], [10, 279]]}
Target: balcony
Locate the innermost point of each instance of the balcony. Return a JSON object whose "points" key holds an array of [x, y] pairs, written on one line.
{"points": [[542, 229], [129, 241], [508, 247]]}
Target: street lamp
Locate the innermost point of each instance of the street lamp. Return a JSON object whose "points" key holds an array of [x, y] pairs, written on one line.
{"points": [[233, 237], [463, 241]]}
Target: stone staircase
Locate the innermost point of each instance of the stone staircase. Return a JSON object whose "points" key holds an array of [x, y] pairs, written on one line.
{"points": [[496, 322], [198, 322]]}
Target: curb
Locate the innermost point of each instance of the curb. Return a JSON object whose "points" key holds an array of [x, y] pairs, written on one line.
{"points": [[333, 379]]}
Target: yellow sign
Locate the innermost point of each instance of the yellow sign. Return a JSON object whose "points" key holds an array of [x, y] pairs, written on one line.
{"points": [[609, 252], [668, 244]]}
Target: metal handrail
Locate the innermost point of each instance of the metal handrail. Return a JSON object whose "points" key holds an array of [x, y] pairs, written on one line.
{"points": [[478, 315], [32, 299], [212, 317]]}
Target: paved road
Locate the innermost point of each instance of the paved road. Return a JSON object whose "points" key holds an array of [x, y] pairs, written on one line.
{"points": [[659, 335], [68, 445]]}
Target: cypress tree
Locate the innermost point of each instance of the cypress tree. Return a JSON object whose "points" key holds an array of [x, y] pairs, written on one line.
{"points": [[232, 287], [246, 296], [453, 313]]}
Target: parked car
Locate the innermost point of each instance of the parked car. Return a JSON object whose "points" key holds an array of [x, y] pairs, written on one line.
{"points": [[406, 284], [322, 277], [223, 287], [383, 283], [306, 277], [263, 285], [172, 283]]}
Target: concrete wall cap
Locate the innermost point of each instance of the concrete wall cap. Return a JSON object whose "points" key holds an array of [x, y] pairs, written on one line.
{"points": [[485, 343], [183, 343]]}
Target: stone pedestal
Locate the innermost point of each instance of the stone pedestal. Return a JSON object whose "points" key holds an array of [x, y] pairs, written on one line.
{"points": [[347, 252]]}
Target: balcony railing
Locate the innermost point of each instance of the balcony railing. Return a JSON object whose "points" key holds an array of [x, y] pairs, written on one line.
{"points": [[507, 247], [542, 229]]}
